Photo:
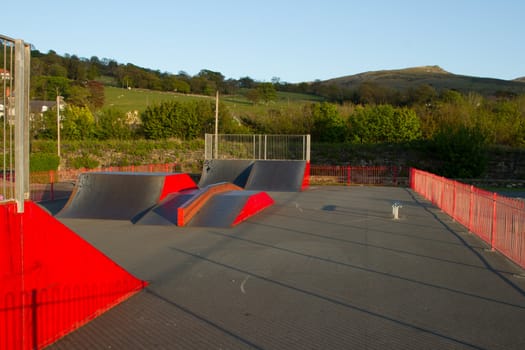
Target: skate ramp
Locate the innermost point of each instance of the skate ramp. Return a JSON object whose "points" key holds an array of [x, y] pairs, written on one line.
{"points": [[165, 213], [231, 208], [218, 205], [51, 280], [121, 196], [278, 175], [225, 170]]}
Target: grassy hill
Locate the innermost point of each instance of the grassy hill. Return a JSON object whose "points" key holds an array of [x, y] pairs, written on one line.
{"points": [[435, 76], [139, 100]]}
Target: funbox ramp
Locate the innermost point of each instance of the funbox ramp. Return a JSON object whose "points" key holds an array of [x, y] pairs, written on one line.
{"points": [[121, 196], [218, 205], [261, 175], [279, 175], [225, 170], [51, 280]]}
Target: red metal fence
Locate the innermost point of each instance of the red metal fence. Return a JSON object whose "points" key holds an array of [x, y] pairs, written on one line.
{"points": [[498, 220], [51, 185], [356, 175]]}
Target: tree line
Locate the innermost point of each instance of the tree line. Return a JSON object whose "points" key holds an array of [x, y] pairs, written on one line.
{"points": [[455, 125]]}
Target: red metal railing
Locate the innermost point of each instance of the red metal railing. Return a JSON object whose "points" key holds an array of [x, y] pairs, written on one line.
{"points": [[498, 220], [355, 175]]}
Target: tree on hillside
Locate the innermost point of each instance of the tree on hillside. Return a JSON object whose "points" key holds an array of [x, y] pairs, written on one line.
{"points": [[246, 83], [328, 124], [47, 87], [78, 123], [267, 92], [176, 119], [253, 95], [113, 124]]}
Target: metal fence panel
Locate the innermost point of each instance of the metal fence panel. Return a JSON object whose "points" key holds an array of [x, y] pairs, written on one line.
{"points": [[14, 114], [257, 147]]}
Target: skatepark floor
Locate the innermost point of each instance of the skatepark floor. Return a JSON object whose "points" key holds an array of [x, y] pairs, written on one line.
{"points": [[328, 268]]}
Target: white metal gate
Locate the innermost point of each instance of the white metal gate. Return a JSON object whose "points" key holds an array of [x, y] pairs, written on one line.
{"points": [[246, 146]]}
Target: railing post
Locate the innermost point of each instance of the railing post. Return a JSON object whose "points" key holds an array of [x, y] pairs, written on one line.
{"points": [[348, 175], [494, 221], [265, 145], [394, 175], [470, 209], [454, 198], [52, 184]]}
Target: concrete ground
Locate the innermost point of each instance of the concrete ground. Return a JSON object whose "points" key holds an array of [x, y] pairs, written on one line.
{"points": [[328, 268]]}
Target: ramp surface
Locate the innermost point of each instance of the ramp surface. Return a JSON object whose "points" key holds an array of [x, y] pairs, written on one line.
{"points": [[121, 196], [277, 175], [230, 208], [225, 170], [165, 213]]}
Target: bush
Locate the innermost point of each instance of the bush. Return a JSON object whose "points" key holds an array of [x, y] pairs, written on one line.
{"points": [[384, 124], [462, 151], [83, 162], [43, 162]]}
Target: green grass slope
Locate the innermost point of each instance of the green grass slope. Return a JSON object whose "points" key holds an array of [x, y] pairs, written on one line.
{"points": [[139, 100]]}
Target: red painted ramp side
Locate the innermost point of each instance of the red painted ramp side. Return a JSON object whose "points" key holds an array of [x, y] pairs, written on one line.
{"points": [[121, 196], [230, 208], [306, 177], [256, 203], [51, 280]]}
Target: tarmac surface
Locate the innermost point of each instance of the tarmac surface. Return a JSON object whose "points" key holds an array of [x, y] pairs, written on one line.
{"points": [[328, 268]]}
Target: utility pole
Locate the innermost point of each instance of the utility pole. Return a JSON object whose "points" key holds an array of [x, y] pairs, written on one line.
{"points": [[58, 124], [217, 125]]}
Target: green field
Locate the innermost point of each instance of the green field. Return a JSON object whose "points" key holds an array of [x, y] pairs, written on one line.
{"points": [[139, 100]]}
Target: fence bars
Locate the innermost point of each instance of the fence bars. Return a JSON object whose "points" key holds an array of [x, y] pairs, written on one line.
{"points": [[257, 147], [497, 220], [15, 76], [355, 175]]}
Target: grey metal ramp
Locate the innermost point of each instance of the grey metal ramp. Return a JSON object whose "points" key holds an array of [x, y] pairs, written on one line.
{"points": [[165, 213], [221, 210], [118, 196], [225, 170], [277, 175]]}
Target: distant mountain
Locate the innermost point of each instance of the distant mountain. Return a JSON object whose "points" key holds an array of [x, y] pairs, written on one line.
{"points": [[435, 76]]}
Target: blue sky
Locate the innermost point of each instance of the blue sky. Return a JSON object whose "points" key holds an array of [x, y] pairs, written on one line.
{"points": [[293, 40]]}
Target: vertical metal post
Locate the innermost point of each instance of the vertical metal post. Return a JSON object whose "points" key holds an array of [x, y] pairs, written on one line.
{"points": [[27, 80], [217, 125], [260, 142], [494, 221], [265, 145], [21, 109], [58, 125], [308, 148], [471, 204], [254, 146]]}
